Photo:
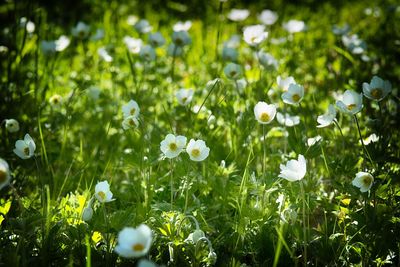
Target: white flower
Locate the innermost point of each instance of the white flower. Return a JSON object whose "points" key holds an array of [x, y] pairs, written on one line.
{"points": [[25, 149], [184, 96], [268, 17], [173, 145], [285, 83], [12, 125], [313, 140], [131, 109], [102, 192], [233, 41], [103, 53], [233, 71], [146, 263], [197, 150], [62, 43], [229, 54], [373, 138], [130, 122], [5, 175], [264, 113], [195, 236], [255, 34], [378, 89], [337, 30], [98, 35], [147, 53], [364, 181], [328, 118], [351, 103], [81, 30], [267, 60], [143, 26], [294, 170], [182, 26], [238, 14], [56, 101], [87, 213], [134, 242], [287, 120], [294, 94], [93, 92], [293, 26], [181, 38], [354, 44], [131, 20], [156, 39], [133, 44]]}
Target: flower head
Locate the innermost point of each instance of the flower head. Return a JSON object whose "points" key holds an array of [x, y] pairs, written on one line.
{"points": [[103, 53], [81, 30], [354, 44], [147, 53], [133, 44], [197, 150], [351, 103], [181, 38], [131, 109], [264, 113], [62, 43], [328, 118], [364, 181], [294, 94], [182, 26], [56, 100], [285, 83], [287, 120], [229, 53], [378, 89], [130, 122], [5, 175], [268, 17], [102, 192], [238, 14], [293, 26], [143, 26], [25, 149], [294, 170], [184, 96], [156, 39], [12, 125], [134, 242], [173, 145], [267, 60], [255, 34], [233, 71]]}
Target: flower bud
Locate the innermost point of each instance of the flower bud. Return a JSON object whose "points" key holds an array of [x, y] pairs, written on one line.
{"points": [[12, 125], [87, 213]]}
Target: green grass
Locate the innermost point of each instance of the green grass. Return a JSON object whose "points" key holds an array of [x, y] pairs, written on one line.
{"points": [[322, 220]]}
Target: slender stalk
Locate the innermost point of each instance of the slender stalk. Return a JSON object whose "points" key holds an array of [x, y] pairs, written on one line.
{"points": [[340, 129], [264, 152], [362, 141], [172, 182], [106, 235], [173, 62], [304, 223]]}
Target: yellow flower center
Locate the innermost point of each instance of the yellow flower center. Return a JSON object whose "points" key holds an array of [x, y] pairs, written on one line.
{"points": [[138, 247], [3, 176], [232, 73], [376, 93], [178, 41], [264, 117], [351, 106], [195, 152], [26, 151], [296, 98], [184, 99], [172, 146], [133, 111], [102, 195], [366, 180]]}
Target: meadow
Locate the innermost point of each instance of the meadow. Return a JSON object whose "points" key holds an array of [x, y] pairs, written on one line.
{"points": [[202, 133]]}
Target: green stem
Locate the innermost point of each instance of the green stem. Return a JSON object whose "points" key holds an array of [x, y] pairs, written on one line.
{"points": [[362, 141], [264, 152], [172, 182], [304, 223]]}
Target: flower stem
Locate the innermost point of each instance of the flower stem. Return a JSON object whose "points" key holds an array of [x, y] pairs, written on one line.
{"points": [[362, 141], [264, 152], [340, 129], [173, 62], [304, 223], [172, 182]]}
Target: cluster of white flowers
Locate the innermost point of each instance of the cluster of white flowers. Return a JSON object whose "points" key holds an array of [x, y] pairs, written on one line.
{"points": [[131, 113], [173, 145]]}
